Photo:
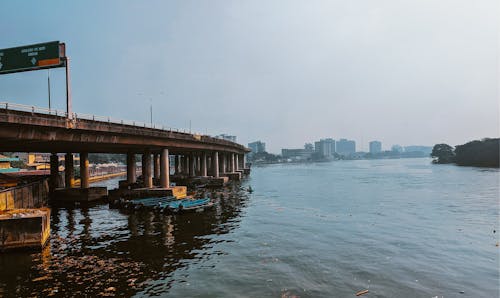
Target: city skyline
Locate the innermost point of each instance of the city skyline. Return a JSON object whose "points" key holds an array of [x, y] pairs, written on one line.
{"points": [[303, 71], [359, 147]]}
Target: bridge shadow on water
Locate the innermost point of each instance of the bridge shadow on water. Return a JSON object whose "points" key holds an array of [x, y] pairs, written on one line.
{"points": [[97, 251]]}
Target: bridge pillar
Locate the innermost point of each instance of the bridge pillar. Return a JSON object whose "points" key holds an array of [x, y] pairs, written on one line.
{"points": [[224, 163], [156, 166], [232, 160], [185, 164], [192, 166], [176, 164], [69, 171], [84, 170], [146, 169], [131, 168], [54, 171], [164, 169], [204, 164], [215, 164], [237, 162]]}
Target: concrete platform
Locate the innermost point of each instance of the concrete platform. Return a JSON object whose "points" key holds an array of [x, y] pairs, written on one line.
{"points": [[24, 229], [80, 194], [207, 181], [140, 193], [232, 176]]}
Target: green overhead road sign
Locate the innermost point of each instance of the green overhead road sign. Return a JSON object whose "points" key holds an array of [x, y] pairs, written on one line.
{"points": [[32, 57]]}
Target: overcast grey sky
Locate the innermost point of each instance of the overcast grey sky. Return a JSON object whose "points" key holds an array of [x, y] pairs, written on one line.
{"points": [[284, 72]]}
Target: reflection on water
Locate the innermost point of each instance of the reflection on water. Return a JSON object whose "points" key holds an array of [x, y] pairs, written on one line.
{"points": [[398, 228], [100, 251]]}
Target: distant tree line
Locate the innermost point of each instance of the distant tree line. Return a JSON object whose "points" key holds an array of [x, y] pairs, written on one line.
{"points": [[483, 153]]}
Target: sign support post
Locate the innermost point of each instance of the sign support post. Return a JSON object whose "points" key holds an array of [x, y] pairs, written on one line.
{"points": [[69, 108]]}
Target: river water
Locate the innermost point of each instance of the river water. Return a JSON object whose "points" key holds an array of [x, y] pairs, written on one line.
{"points": [[398, 228]]}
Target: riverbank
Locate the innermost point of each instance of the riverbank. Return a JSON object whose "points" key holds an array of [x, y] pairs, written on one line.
{"points": [[100, 178]]}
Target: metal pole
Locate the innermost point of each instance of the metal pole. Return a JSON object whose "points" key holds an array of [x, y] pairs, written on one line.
{"points": [[69, 109], [151, 110], [48, 84]]}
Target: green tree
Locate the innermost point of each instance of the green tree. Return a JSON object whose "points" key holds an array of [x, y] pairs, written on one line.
{"points": [[443, 153]]}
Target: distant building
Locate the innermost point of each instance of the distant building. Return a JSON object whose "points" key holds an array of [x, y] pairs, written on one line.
{"points": [[375, 147], [397, 148], [325, 147], [345, 147], [298, 154], [227, 137], [257, 147], [5, 166]]}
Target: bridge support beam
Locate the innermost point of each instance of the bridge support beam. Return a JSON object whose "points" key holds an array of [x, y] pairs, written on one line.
{"points": [[204, 164], [156, 166], [164, 169], [69, 171], [237, 163], [232, 160], [146, 169], [215, 164], [131, 168], [54, 171], [84, 170]]}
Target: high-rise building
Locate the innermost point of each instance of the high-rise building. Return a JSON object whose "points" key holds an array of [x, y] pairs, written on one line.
{"points": [[325, 147], [345, 147], [257, 147], [375, 147]]}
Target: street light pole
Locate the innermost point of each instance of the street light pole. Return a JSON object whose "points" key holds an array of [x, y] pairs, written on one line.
{"points": [[151, 110], [48, 85]]}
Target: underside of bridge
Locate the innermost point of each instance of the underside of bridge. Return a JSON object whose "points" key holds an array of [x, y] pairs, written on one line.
{"points": [[196, 155]]}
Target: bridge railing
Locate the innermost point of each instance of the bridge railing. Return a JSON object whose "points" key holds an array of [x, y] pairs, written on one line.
{"points": [[80, 116], [40, 110]]}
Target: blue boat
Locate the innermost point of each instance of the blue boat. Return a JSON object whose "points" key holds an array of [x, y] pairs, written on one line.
{"points": [[189, 204]]}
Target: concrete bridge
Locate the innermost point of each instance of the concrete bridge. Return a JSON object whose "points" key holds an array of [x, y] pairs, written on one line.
{"points": [[30, 129]]}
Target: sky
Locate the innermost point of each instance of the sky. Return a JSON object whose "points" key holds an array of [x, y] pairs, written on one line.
{"points": [[408, 72]]}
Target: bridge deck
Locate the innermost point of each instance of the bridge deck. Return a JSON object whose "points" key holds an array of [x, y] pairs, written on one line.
{"points": [[23, 131]]}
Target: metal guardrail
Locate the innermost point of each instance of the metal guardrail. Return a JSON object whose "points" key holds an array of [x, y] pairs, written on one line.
{"points": [[79, 116]]}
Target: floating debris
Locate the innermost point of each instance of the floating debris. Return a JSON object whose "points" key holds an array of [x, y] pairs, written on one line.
{"points": [[361, 293]]}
